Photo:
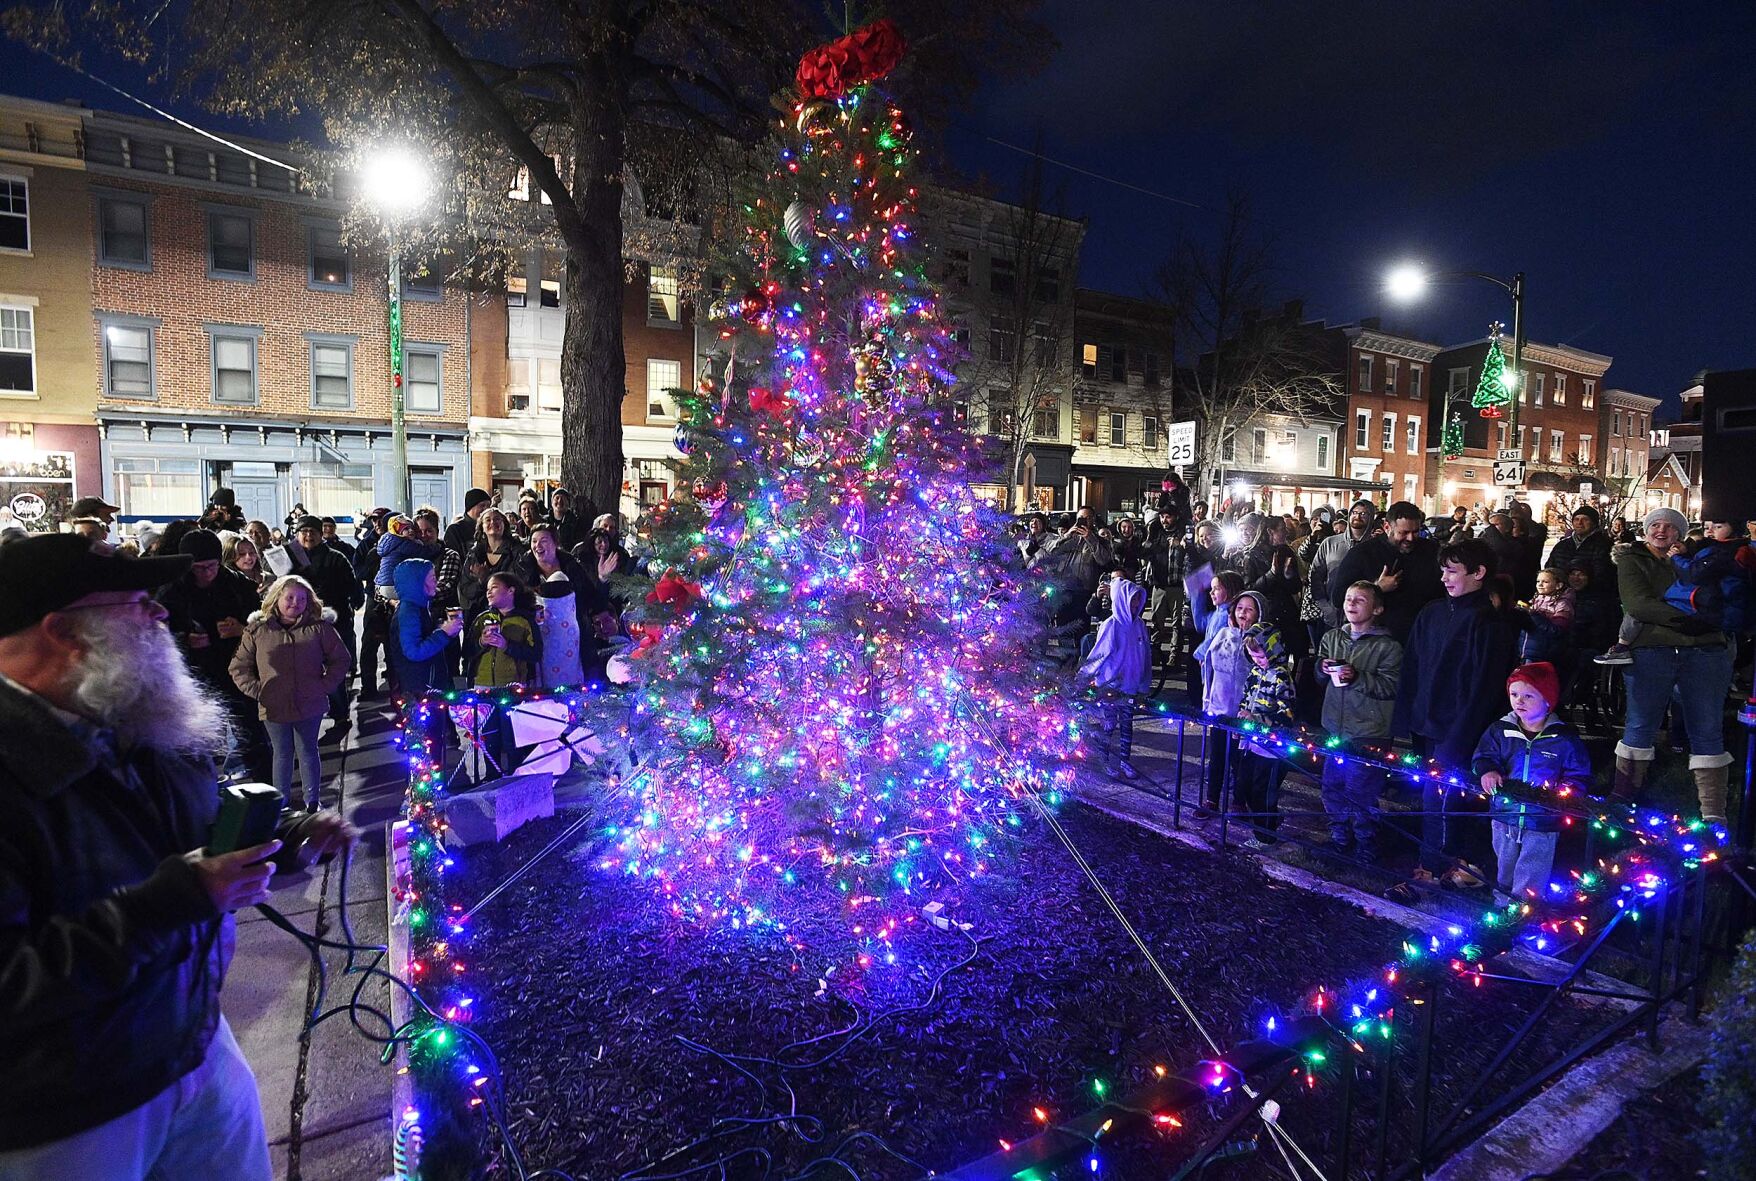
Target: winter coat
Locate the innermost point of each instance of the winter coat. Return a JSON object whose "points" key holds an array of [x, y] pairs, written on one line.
{"points": [[190, 608], [1420, 583], [112, 954], [1325, 565], [1121, 659], [414, 646], [1225, 666], [515, 664], [291, 671], [393, 551], [1594, 549], [1280, 592], [472, 589], [332, 578], [1365, 706], [1269, 694], [1454, 670], [1553, 756], [1643, 578]]}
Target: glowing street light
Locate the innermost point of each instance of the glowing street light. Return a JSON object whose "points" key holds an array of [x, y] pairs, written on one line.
{"points": [[397, 184], [1409, 281], [1406, 283]]}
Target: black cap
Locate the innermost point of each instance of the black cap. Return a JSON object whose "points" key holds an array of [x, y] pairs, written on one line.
{"points": [[224, 497], [49, 571], [474, 497], [87, 507], [200, 545], [308, 522]]}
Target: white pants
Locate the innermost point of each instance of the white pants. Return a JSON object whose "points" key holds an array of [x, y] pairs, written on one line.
{"points": [[1522, 860], [207, 1124]]}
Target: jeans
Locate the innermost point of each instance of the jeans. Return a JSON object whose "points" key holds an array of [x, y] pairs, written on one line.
{"points": [[1350, 797], [1522, 860], [1118, 723], [283, 736], [1700, 676], [1222, 761], [344, 626], [1258, 791], [206, 1124]]}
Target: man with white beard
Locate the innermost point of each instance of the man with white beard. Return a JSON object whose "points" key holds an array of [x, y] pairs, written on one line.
{"points": [[115, 926]]}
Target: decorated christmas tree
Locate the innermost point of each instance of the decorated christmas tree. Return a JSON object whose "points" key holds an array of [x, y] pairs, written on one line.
{"points": [[1494, 390], [834, 701], [1451, 439]]}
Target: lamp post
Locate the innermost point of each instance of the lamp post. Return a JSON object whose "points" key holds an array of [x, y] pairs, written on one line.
{"points": [[1409, 282], [395, 182]]}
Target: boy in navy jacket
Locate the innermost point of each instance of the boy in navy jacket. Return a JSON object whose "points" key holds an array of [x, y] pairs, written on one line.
{"points": [[1532, 745]]}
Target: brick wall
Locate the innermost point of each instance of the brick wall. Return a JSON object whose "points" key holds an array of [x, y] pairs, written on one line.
{"points": [[641, 341], [179, 292]]}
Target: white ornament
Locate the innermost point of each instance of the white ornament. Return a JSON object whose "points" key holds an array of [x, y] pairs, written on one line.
{"points": [[798, 222]]}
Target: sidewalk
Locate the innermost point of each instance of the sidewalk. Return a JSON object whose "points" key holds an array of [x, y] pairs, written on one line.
{"points": [[325, 1096]]}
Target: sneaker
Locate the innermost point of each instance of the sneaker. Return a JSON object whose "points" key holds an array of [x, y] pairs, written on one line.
{"points": [[1126, 770], [1463, 876], [1254, 843], [1410, 892], [1618, 654]]}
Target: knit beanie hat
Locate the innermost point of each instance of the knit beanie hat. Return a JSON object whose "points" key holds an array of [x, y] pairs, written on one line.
{"points": [[1541, 676], [1677, 519], [200, 545]]}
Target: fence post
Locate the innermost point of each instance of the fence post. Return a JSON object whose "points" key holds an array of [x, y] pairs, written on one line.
{"points": [[1745, 833]]}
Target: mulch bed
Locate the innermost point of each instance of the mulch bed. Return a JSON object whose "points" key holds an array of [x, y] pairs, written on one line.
{"points": [[586, 990], [1653, 1138]]}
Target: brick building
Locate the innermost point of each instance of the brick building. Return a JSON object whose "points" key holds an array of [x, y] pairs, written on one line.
{"points": [[1560, 424], [1121, 400], [1386, 434], [49, 449], [1627, 433], [240, 342]]}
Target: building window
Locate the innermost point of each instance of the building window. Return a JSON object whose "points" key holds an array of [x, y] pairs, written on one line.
{"points": [[1504, 434], [1046, 422], [1389, 439], [231, 245], [1616, 424], [1414, 435], [423, 373], [1560, 389], [957, 268], [163, 488], [422, 285], [549, 383], [1362, 429], [1584, 449], [1366, 374], [1088, 360], [1049, 285], [327, 260], [128, 360], [1118, 428], [122, 233], [518, 385], [1044, 337], [1002, 340], [1228, 445], [14, 213], [18, 351], [234, 364], [332, 372], [517, 291], [1149, 432], [1258, 445], [1588, 396], [1615, 459], [664, 298], [1456, 382], [661, 378], [1390, 367], [1322, 453], [549, 286], [1540, 387], [1149, 369], [1410, 487], [961, 337], [1415, 373], [1002, 276], [1556, 442]]}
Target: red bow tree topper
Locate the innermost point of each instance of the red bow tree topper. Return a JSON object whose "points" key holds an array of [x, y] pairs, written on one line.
{"points": [[862, 56]]}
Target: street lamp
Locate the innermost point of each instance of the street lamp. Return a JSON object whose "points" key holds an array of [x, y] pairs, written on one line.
{"points": [[396, 183], [1410, 280]]}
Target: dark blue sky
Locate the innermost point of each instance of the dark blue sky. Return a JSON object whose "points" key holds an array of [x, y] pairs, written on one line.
{"points": [[1602, 146]]}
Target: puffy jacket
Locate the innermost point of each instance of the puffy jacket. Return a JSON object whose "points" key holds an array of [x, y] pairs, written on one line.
{"points": [[1553, 756], [111, 954], [1643, 578], [1269, 695], [393, 551], [1365, 706], [414, 646], [1593, 549], [291, 671], [514, 664], [1420, 583]]}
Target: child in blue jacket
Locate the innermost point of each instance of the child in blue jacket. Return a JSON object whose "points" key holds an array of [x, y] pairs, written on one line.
{"points": [[413, 646], [400, 543], [1532, 745]]}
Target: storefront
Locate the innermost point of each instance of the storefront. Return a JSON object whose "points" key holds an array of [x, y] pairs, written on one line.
{"points": [[162, 468], [44, 468], [1281, 492]]}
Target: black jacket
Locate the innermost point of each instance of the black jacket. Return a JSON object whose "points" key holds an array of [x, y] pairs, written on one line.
{"points": [[460, 535], [194, 608], [111, 953], [1454, 670], [1593, 549], [332, 578], [1420, 583]]}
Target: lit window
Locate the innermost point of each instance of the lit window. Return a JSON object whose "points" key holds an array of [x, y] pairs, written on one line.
{"points": [[1414, 435], [128, 361], [1088, 357], [664, 304], [662, 377], [328, 260], [1390, 367], [1362, 429], [1388, 443]]}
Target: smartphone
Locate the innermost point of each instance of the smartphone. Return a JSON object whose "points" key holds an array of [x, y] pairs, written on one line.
{"points": [[248, 814]]}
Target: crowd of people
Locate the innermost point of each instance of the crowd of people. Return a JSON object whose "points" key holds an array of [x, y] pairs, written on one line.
{"points": [[1468, 638]]}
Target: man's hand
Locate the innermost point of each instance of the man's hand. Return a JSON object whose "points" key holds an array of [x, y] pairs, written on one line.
{"points": [[229, 628], [325, 833], [1389, 580], [1492, 782], [196, 639], [236, 880]]}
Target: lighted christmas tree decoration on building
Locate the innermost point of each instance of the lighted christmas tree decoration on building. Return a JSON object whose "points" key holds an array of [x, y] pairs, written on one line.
{"points": [[1494, 391], [1451, 439]]}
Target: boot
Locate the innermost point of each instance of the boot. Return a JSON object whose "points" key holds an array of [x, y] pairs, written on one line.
{"points": [[1710, 790], [1630, 777]]}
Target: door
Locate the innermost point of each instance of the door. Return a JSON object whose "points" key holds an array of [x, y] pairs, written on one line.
{"points": [[432, 486], [259, 500]]}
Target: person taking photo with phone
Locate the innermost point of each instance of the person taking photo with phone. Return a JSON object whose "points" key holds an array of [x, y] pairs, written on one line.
{"points": [[115, 923]]}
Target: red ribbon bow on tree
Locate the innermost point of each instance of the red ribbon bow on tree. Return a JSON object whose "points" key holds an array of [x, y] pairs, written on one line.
{"points": [[765, 401], [864, 55], [674, 591], [645, 636]]}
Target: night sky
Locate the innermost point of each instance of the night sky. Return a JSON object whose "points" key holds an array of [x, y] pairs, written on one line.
{"points": [[1604, 148]]}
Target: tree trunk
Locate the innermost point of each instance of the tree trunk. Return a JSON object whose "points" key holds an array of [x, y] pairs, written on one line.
{"points": [[593, 370]]}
